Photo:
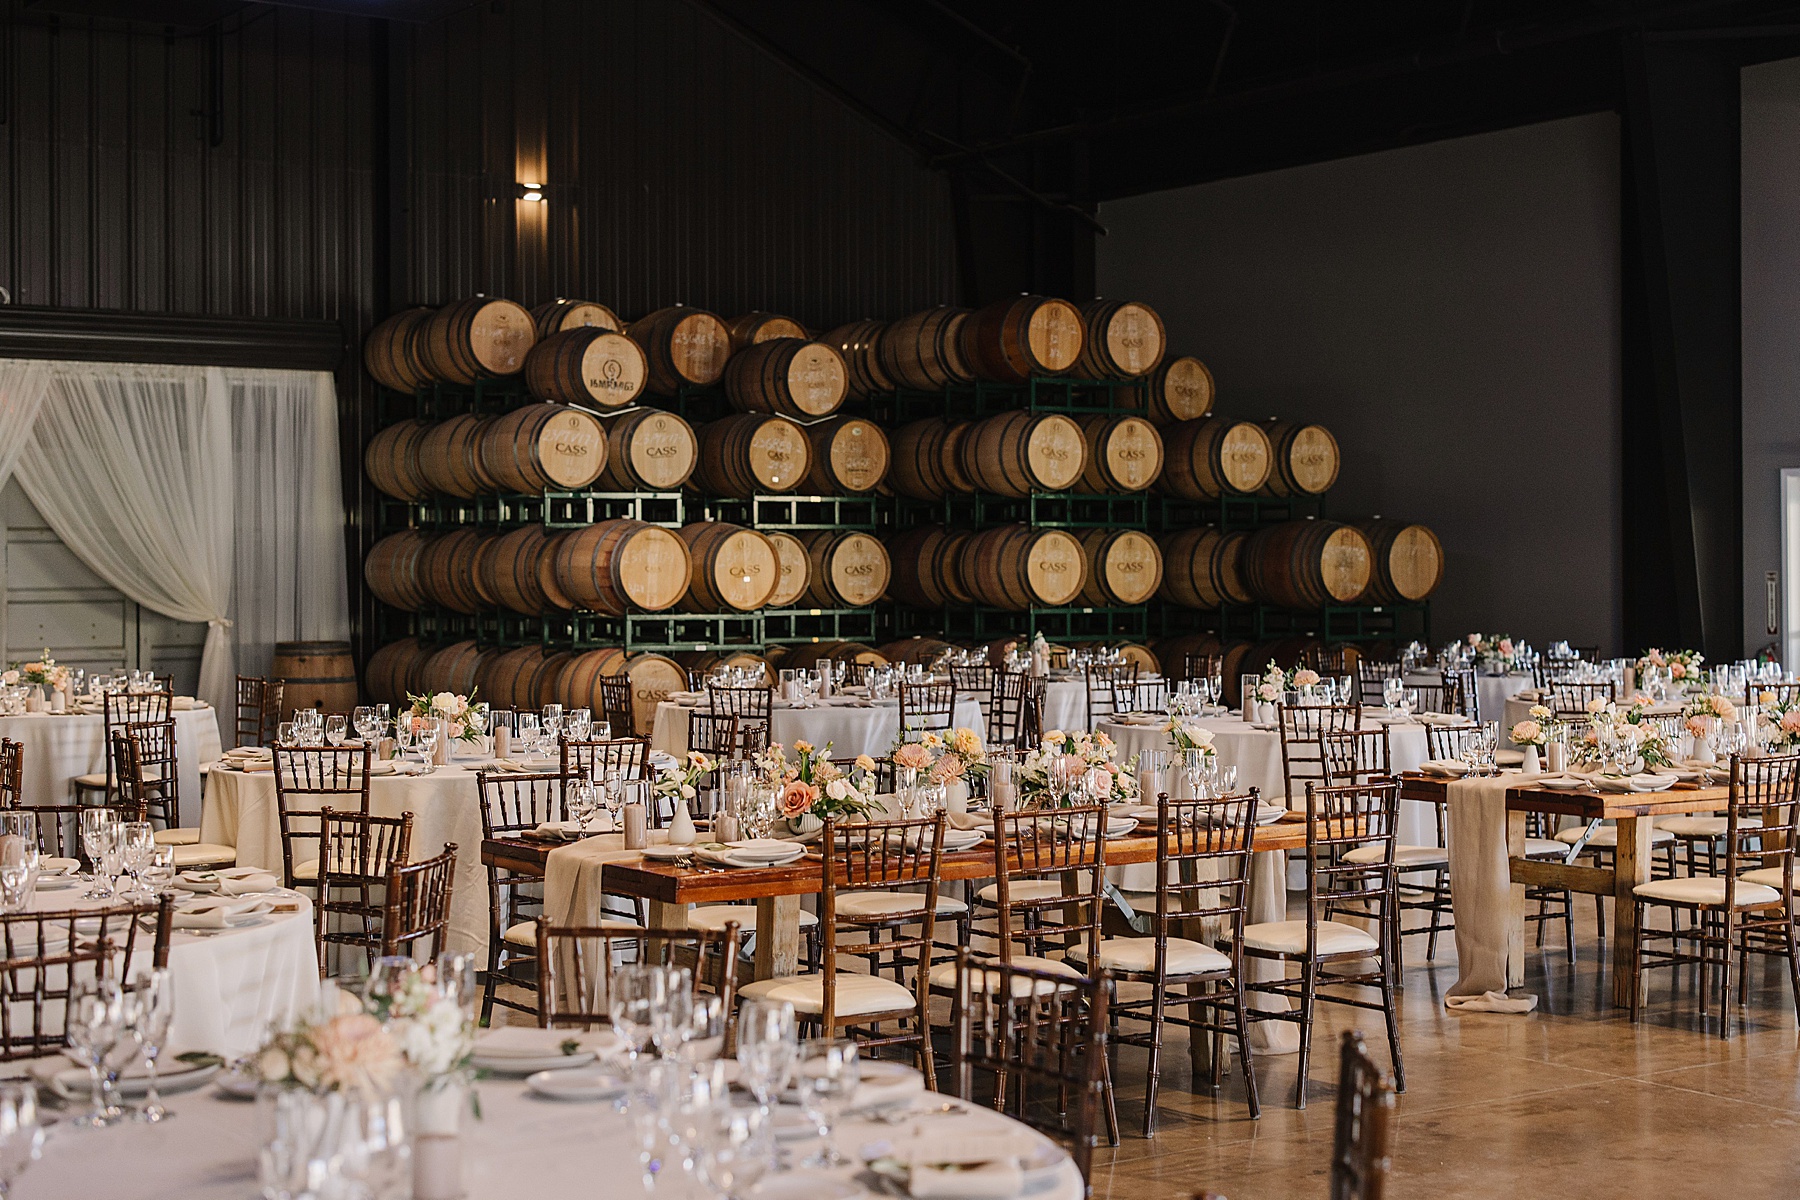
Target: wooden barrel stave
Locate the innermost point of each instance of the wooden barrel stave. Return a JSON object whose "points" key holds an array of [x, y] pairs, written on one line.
{"points": [[755, 327], [845, 568], [1213, 456], [483, 337], [391, 460], [795, 569], [751, 453], [391, 351], [1016, 567], [543, 447], [926, 567], [1017, 453], [1408, 560], [1121, 339], [806, 655], [923, 351], [652, 677], [1203, 568], [447, 570], [704, 662], [391, 673], [1124, 454], [684, 347], [509, 570], [850, 456], [1307, 564], [618, 565], [450, 457], [587, 365], [560, 315], [1124, 567], [859, 343], [1304, 459], [394, 570], [1181, 389], [796, 378], [1010, 341], [648, 450], [733, 568]]}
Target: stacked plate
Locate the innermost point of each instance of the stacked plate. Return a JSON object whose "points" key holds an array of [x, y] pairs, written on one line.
{"points": [[752, 852], [523, 1050]]}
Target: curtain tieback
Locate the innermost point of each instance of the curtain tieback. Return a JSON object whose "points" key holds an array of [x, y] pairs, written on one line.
{"points": [[218, 623]]}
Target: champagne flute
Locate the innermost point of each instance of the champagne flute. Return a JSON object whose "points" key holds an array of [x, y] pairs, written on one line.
{"points": [[151, 1009]]}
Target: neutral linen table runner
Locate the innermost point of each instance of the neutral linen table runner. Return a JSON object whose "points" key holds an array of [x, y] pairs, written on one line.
{"points": [[1481, 894], [574, 890]]}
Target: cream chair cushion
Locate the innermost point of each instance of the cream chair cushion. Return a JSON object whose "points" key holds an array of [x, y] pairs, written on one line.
{"points": [[857, 994], [96, 781], [944, 975], [1407, 858], [1138, 955], [525, 932], [712, 918], [1769, 877], [865, 906], [178, 837], [1289, 937], [1706, 889], [1545, 848], [203, 854], [1022, 889], [1703, 827], [1607, 837]]}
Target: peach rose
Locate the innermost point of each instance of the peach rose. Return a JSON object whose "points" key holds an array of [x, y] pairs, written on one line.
{"points": [[798, 798], [1506, 645], [1790, 720], [355, 1052]]}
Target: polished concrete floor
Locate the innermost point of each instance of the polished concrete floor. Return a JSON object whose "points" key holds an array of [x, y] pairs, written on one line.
{"points": [[1572, 1100]]}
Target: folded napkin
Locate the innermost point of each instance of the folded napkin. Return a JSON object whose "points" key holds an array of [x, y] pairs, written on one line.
{"points": [[980, 1181], [233, 881], [1491, 1002], [1445, 768], [969, 820], [599, 823], [762, 848], [215, 913], [250, 752], [182, 704]]}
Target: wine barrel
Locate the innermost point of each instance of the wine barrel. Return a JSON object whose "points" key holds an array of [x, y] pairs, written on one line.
{"points": [[704, 662], [789, 376], [1307, 564], [524, 678], [849, 456], [1408, 560], [450, 457], [561, 315], [1121, 339], [1181, 389], [392, 461], [754, 327], [927, 567], [652, 676], [543, 447], [1124, 454], [733, 567], [622, 564], [648, 450], [806, 655], [859, 343], [1253, 658], [483, 337], [925, 456], [1009, 341], [447, 571], [685, 347], [1305, 458], [1205, 459], [391, 351], [1017, 567], [1018, 453], [556, 597], [394, 570], [775, 653], [796, 571], [391, 674], [922, 651], [924, 351], [1203, 568], [319, 675], [1174, 652], [589, 365], [1124, 566], [845, 568], [1134, 654], [744, 455], [509, 570], [453, 668]]}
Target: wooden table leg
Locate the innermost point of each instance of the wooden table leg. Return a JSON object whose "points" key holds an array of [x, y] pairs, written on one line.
{"points": [[1515, 920], [777, 936], [1631, 866], [663, 915]]}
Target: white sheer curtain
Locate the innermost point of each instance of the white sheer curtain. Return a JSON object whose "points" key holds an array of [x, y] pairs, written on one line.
{"points": [[131, 466], [288, 575], [23, 384]]}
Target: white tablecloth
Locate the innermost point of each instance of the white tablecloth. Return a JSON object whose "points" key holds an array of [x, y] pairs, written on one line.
{"points": [[1491, 691], [850, 730], [229, 986], [446, 806], [58, 747], [521, 1146]]}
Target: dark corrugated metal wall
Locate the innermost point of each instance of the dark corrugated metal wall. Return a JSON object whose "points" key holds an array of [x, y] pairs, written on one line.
{"points": [[682, 164]]}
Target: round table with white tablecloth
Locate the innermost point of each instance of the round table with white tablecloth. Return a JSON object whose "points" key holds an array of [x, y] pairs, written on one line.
{"points": [[446, 806], [852, 726], [230, 985], [60, 746], [1491, 691]]}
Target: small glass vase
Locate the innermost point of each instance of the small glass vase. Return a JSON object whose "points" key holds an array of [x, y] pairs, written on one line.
{"points": [[331, 1145], [34, 700]]}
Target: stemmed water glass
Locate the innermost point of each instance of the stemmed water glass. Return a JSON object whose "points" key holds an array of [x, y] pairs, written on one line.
{"points": [[703, 1040], [96, 1022], [366, 723], [767, 1047], [577, 722], [100, 835], [672, 1021], [159, 872], [736, 1149], [526, 732], [335, 729], [1193, 769], [551, 719], [828, 1075], [150, 1007], [637, 992], [137, 844], [1393, 691], [426, 735], [21, 1136]]}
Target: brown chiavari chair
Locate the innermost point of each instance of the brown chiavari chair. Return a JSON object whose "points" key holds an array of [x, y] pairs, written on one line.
{"points": [[307, 778], [1763, 801], [1365, 756], [12, 773], [578, 963], [1464, 696], [1140, 695], [1101, 682], [1371, 678], [1338, 820], [1049, 893], [1548, 672], [926, 707], [616, 708], [1203, 850], [144, 760], [1041, 1037], [356, 852], [1589, 654], [1363, 1138], [417, 904], [118, 710], [1329, 660], [1011, 708], [979, 680], [1201, 665], [876, 856], [874, 911], [713, 734], [258, 709], [1569, 698], [627, 757], [45, 954], [1784, 693], [1303, 728], [753, 738], [745, 703], [1435, 697]]}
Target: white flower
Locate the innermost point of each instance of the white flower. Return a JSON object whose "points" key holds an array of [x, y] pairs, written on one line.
{"points": [[687, 791], [839, 789], [272, 1064]]}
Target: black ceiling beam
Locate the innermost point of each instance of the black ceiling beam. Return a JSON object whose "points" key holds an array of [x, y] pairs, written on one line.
{"points": [[96, 335]]}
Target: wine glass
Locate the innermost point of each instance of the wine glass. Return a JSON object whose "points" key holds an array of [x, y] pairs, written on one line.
{"points": [[21, 1136], [137, 842], [335, 729], [286, 734], [159, 873], [526, 732], [365, 722], [388, 979], [828, 1075], [96, 1022], [100, 834], [150, 1007], [736, 1149], [550, 717], [1193, 769], [704, 1038], [426, 735], [671, 1022], [637, 992], [1393, 691], [767, 1046], [578, 722]]}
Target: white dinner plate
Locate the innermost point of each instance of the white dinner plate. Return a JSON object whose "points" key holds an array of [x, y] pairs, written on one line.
{"points": [[57, 883], [507, 1065], [237, 1085], [585, 1084], [666, 853], [790, 1124], [73, 1082], [1562, 783]]}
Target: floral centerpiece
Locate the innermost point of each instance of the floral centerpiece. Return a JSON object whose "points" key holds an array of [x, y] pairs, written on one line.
{"points": [[812, 786], [1779, 721], [44, 673], [1534, 730], [1496, 652], [681, 783], [1189, 735], [457, 711], [1091, 756], [1699, 715], [1683, 666], [1634, 735], [347, 1051]]}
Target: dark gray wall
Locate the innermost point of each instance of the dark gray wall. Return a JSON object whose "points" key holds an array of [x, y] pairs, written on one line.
{"points": [[1771, 316], [1450, 311]]}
